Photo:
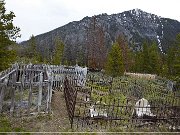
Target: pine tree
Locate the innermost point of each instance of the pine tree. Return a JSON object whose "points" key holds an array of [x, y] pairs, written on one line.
{"points": [[58, 52], [138, 66], [177, 56], [80, 58], [114, 66], [145, 59], [173, 58], [164, 70], [154, 59], [173, 62], [8, 34], [32, 51]]}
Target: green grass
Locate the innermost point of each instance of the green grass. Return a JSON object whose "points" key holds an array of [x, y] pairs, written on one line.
{"points": [[6, 126], [98, 87], [41, 117], [114, 98]]}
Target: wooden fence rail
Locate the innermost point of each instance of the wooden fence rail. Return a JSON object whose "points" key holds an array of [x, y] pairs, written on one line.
{"points": [[26, 85], [28, 88]]}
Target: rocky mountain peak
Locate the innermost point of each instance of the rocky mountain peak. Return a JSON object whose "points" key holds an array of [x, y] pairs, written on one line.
{"points": [[136, 24]]}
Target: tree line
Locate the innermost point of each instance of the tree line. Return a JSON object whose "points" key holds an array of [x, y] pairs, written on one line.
{"points": [[120, 58], [32, 52], [147, 60]]}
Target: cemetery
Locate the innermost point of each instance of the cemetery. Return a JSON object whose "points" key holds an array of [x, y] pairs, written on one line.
{"points": [[106, 73], [94, 101]]}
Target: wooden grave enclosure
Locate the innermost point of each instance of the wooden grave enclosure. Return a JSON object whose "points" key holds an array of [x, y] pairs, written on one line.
{"points": [[26, 89]]}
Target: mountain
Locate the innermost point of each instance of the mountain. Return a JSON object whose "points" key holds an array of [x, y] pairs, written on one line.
{"points": [[135, 24]]}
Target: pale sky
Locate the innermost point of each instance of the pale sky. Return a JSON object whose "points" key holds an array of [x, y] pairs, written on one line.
{"points": [[40, 16]]}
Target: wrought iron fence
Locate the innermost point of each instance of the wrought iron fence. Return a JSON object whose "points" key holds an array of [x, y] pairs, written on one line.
{"points": [[112, 104]]}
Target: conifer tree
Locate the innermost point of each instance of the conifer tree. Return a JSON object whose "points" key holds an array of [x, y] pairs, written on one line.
{"points": [[177, 62], [114, 66], [154, 59], [138, 62], [145, 59], [8, 34], [32, 51], [58, 52], [173, 62], [164, 70]]}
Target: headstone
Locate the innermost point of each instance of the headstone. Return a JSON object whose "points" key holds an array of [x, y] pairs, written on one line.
{"points": [[142, 107], [93, 111], [97, 111]]}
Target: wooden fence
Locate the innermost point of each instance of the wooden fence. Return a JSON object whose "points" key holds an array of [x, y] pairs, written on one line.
{"points": [[61, 72], [27, 89]]}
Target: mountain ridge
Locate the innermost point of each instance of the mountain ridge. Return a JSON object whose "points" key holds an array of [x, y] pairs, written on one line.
{"points": [[136, 24], [102, 14]]}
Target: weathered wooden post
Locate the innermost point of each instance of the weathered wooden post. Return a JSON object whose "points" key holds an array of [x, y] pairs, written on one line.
{"points": [[1, 97], [30, 92], [12, 100], [4, 86], [51, 80], [22, 74], [48, 94], [13, 93], [40, 92]]}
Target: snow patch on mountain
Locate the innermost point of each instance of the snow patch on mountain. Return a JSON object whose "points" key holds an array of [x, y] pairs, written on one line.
{"points": [[137, 12], [162, 30], [159, 44]]}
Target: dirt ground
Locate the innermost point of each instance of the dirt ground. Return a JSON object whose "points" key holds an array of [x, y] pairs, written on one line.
{"points": [[58, 121]]}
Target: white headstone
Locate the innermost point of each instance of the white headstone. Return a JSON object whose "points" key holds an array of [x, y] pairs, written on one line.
{"points": [[94, 112], [142, 107]]}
